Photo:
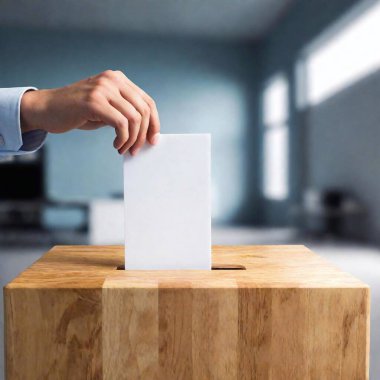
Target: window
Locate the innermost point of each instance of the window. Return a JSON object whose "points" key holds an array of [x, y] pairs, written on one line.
{"points": [[275, 114], [344, 54]]}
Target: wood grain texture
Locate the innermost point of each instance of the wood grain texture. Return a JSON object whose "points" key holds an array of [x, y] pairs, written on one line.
{"points": [[289, 315], [53, 334], [215, 333], [136, 355]]}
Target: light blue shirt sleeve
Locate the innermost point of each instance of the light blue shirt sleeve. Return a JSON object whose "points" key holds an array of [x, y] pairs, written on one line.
{"points": [[12, 140]]}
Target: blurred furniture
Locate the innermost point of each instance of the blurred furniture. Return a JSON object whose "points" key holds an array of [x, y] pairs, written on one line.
{"points": [[23, 201], [330, 212], [14, 214], [265, 312], [106, 221], [21, 223]]}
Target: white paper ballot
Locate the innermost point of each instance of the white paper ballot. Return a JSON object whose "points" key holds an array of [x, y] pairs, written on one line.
{"points": [[167, 204]]}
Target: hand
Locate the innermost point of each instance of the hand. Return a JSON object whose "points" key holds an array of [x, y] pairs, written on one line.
{"points": [[109, 98]]}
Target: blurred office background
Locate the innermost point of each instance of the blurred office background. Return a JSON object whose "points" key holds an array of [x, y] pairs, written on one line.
{"points": [[289, 90]]}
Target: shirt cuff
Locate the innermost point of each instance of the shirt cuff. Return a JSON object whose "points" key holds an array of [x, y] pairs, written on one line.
{"points": [[12, 140]]}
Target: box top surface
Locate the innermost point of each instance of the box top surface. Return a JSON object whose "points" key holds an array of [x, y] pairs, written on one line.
{"points": [[280, 266]]}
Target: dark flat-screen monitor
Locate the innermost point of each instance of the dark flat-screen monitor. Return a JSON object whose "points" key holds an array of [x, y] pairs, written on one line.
{"points": [[22, 179]]}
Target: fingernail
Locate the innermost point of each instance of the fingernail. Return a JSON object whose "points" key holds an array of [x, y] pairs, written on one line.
{"points": [[155, 138], [134, 152]]}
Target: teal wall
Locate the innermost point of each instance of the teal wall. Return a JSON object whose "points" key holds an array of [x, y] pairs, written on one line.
{"points": [[198, 86]]}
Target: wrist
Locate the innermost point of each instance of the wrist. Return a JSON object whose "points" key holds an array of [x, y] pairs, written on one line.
{"points": [[31, 108]]}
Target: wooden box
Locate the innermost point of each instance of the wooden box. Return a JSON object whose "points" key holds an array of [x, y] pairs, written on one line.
{"points": [[265, 312]]}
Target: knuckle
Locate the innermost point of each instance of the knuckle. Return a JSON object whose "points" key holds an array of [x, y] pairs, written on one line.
{"points": [[145, 110], [101, 82], [107, 74], [94, 97], [122, 124], [126, 136], [135, 118], [151, 102], [119, 73]]}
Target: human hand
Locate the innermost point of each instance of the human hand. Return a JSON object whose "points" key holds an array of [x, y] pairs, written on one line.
{"points": [[109, 98]]}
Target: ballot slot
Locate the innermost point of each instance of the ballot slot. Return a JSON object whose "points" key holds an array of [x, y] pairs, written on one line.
{"points": [[228, 267], [214, 267]]}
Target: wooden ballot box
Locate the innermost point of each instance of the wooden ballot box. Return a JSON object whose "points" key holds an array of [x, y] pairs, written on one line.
{"points": [[263, 312]]}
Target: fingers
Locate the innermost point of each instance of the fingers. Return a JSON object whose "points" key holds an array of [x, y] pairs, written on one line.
{"points": [[122, 136], [135, 122], [111, 116], [154, 120], [134, 98], [130, 111], [154, 127], [140, 138]]}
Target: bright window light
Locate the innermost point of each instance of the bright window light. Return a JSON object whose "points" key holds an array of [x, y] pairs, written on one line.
{"points": [[275, 138], [275, 101], [346, 57], [276, 164]]}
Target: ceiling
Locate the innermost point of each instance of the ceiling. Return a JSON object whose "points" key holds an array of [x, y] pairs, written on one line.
{"points": [[222, 19]]}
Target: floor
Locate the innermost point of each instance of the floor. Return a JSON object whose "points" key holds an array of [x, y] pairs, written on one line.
{"points": [[360, 260]]}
